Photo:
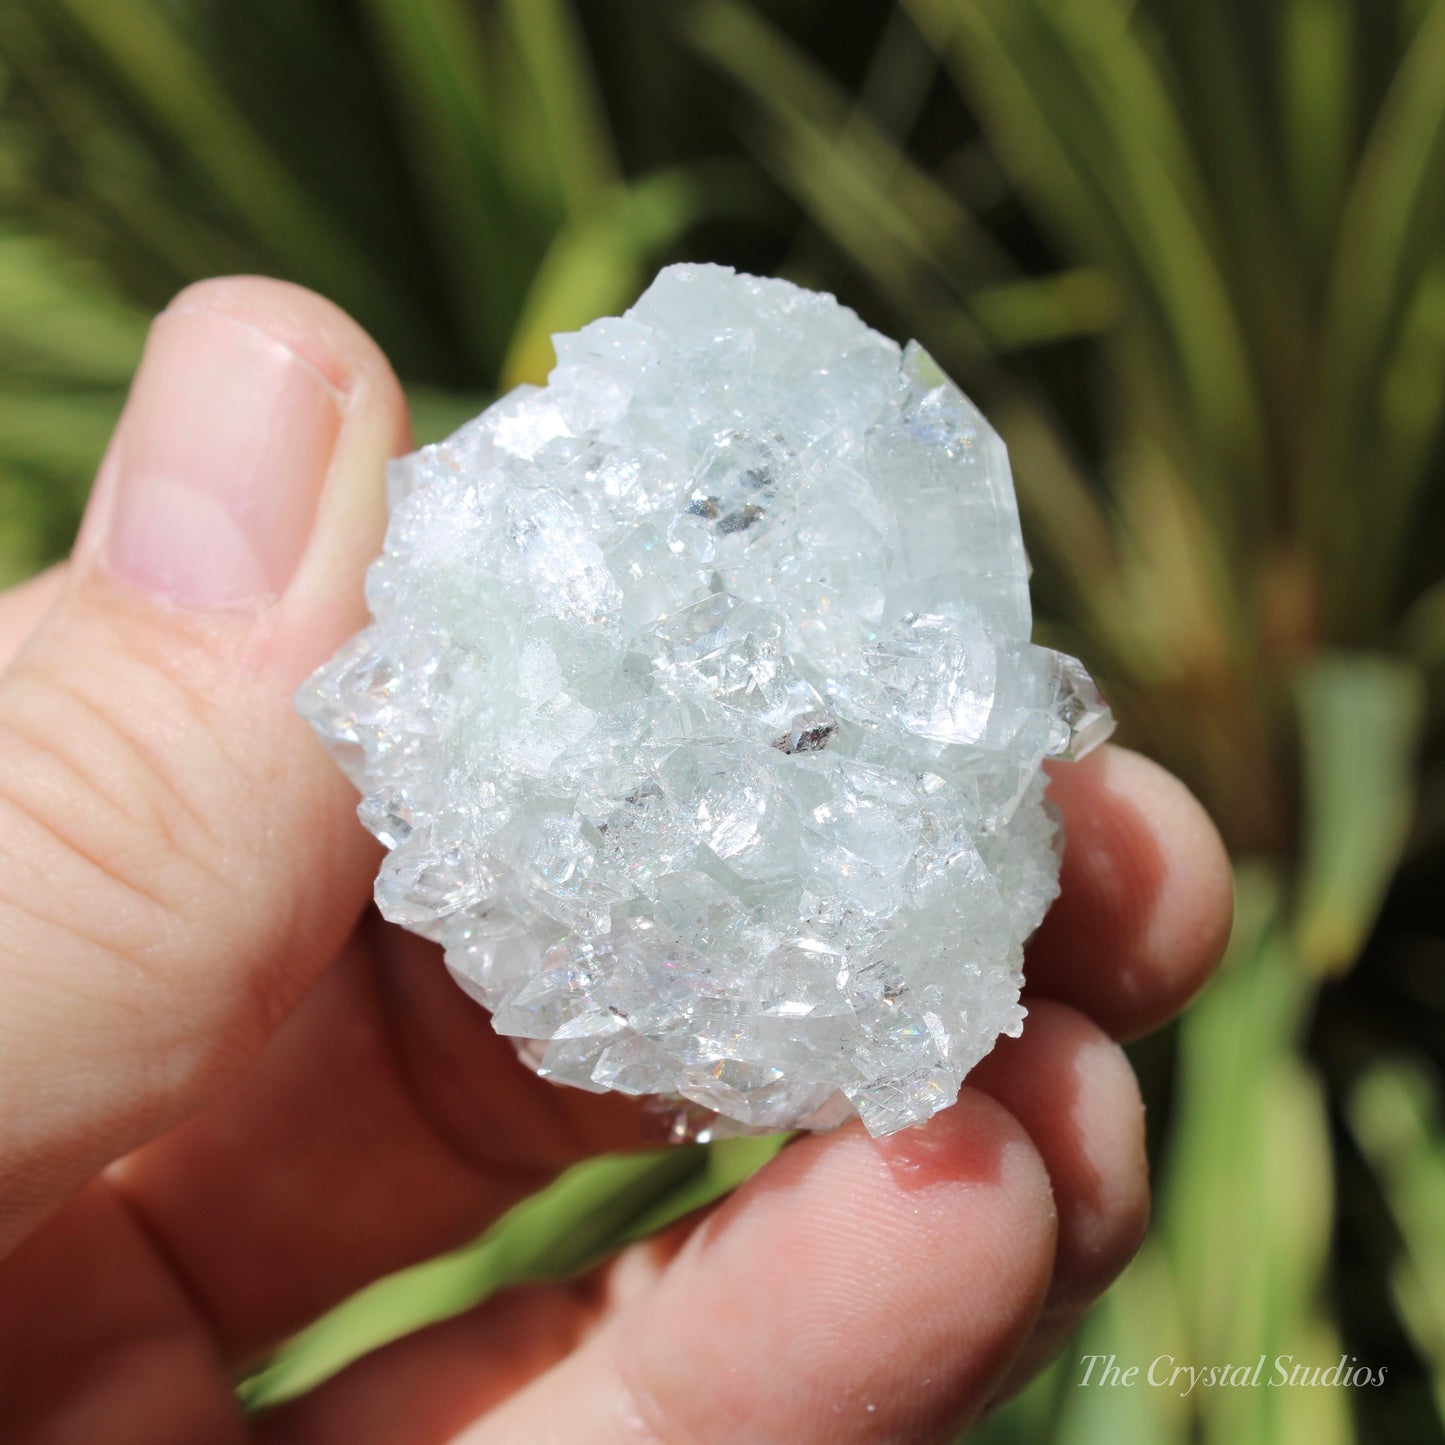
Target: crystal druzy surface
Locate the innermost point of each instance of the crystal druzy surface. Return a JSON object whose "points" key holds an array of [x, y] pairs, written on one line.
{"points": [[700, 718]]}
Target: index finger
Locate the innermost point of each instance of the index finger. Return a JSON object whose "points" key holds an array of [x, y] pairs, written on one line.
{"points": [[1146, 895]]}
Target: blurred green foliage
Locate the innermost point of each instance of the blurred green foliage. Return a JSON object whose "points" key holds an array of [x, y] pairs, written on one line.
{"points": [[1190, 257]]}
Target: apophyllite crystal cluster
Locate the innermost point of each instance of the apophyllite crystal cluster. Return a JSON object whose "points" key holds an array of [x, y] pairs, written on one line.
{"points": [[700, 716]]}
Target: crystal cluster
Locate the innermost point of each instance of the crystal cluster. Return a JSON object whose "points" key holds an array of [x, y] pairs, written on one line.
{"points": [[700, 717]]}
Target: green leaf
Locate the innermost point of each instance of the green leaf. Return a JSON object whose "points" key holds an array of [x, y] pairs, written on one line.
{"points": [[729, 1163], [1394, 1113], [597, 264], [1423, 631], [552, 1235], [62, 434], [128, 218], [1393, 208], [1410, 428], [1083, 122], [164, 75], [58, 320], [436, 414], [1247, 1194], [1317, 87], [1041, 310], [915, 240], [1138, 1320], [435, 57], [1219, 86], [894, 89], [1390, 232], [551, 51], [1359, 720], [1065, 522]]}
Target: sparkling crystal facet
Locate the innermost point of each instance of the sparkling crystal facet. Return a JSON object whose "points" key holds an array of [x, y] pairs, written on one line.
{"points": [[700, 716]]}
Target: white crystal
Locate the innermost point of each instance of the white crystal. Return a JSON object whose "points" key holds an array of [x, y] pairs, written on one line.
{"points": [[700, 716]]}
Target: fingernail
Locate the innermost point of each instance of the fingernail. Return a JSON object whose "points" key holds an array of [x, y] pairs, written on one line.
{"points": [[224, 447]]}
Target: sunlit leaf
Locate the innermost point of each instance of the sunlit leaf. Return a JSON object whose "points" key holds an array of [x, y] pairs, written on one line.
{"points": [[1395, 1115], [550, 48], [1248, 1200], [550, 1236], [597, 265], [59, 320], [1359, 719]]}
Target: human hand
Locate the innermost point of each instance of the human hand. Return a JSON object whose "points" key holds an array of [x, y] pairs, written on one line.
{"points": [[225, 1105]]}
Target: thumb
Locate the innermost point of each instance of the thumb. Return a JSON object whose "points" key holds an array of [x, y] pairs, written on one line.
{"points": [[178, 859]]}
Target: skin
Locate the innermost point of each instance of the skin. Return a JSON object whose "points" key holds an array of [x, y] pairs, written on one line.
{"points": [[229, 1096]]}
